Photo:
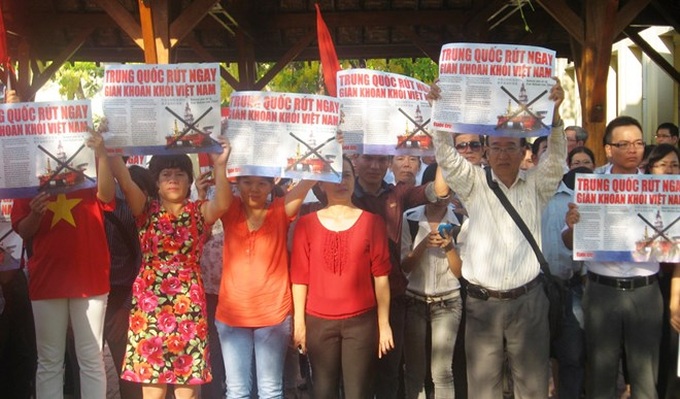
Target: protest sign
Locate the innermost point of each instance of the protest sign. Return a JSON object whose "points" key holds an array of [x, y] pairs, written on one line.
{"points": [[627, 218], [284, 135], [161, 109], [495, 89], [42, 147], [390, 109]]}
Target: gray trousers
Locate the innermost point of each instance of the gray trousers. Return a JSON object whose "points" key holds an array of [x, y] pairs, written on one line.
{"points": [[518, 327], [615, 318]]}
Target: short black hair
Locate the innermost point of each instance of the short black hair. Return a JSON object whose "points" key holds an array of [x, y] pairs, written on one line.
{"points": [[175, 161], [618, 122], [672, 128], [143, 179], [536, 145]]}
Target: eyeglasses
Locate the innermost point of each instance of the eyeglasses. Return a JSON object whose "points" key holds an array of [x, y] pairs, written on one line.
{"points": [[473, 145], [503, 150], [664, 165], [625, 145], [663, 136]]}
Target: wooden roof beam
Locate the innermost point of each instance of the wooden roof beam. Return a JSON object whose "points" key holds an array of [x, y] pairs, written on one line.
{"points": [[68, 51], [202, 52], [653, 54], [430, 51], [148, 33], [189, 19], [568, 19], [666, 14], [627, 14], [289, 56], [124, 19]]}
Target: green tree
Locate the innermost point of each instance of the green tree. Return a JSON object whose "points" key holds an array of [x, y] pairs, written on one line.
{"points": [[79, 80]]}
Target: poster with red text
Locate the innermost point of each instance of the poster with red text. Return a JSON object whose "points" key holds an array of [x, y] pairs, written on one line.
{"points": [[495, 89], [10, 242], [162, 109], [389, 109], [284, 135], [42, 147], [627, 218]]}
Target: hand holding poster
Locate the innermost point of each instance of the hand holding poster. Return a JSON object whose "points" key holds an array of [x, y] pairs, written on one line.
{"points": [[628, 218], [42, 146], [495, 89], [284, 135], [159, 109], [390, 109]]}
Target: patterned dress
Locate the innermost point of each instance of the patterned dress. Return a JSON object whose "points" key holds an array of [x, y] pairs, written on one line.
{"points": [[168, 335]]}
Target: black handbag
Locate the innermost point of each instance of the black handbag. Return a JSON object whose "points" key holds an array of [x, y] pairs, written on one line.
{"points": [[553, 287]]}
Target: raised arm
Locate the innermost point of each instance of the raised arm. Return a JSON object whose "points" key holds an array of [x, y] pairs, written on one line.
{"points": [[296, 196], [106, 186], [134, 196], [549, 170], [213, 209]]}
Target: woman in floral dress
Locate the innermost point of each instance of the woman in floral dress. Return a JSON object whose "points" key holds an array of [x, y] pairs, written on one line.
{"points": [[167, 339]]}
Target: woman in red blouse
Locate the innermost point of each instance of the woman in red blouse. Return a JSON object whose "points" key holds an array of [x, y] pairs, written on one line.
{"points": [[339, 270]]}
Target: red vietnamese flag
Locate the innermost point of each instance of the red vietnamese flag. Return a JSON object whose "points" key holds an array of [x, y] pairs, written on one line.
{"points": [[329, 59], [4, 57]]}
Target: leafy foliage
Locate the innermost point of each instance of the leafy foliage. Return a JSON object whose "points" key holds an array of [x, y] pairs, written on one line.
{"points": [[79, 80]]}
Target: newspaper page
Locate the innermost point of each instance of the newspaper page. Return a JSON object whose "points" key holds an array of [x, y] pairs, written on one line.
{"points": [[495, 89], [390, 109], [42, 147], [10, 242], [161, 109], [627, 218], [284, 135]]}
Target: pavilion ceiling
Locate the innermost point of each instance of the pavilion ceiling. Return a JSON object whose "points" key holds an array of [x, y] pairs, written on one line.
{"points": [[268, 29]]}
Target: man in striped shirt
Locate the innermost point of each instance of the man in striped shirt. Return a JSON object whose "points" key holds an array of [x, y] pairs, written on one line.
{"points": [[506, 307]]}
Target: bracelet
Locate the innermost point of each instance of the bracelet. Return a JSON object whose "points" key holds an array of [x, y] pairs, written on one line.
{"points": [[560, 123], [448, 247]]}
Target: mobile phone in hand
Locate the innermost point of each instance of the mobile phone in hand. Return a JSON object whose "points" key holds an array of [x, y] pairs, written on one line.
{"points": [[445, 230]]}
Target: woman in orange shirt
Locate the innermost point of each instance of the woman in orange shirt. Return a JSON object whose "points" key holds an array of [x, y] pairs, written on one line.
{"points": [[253, 314]]}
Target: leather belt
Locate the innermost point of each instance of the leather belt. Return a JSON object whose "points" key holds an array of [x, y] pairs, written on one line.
{"points": [[432, 299], [623, 283], [479, 292]]}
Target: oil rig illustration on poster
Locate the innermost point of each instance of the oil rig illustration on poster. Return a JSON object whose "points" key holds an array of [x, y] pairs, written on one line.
{"points": [[191, 135], [65, 174], [521, 117], [418, 137]]}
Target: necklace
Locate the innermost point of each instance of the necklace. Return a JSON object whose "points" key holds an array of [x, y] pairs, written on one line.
{"points": [[255, 219]]}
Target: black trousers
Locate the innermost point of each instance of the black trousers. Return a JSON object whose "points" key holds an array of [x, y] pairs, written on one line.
{"points": [[18, 354]]}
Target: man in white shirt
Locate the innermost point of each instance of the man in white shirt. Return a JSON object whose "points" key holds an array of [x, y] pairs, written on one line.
{"points": [[622, 305], [507, 310]]}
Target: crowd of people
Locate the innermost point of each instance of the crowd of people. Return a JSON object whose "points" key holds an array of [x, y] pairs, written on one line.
{"points": [[421, 288]]}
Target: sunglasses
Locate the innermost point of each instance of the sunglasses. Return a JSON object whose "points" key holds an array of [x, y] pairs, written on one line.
{"points": [[474, 146]]}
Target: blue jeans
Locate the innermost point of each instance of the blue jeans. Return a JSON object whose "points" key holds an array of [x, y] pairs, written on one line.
{"points": [[267, 346], [443, 319]]}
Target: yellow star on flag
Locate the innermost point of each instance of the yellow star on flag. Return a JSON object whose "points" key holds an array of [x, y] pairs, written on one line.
{"points": [[62, 209]]}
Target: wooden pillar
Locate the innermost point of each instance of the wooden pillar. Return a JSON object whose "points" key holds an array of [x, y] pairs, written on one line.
{"points": [[592, 70]]}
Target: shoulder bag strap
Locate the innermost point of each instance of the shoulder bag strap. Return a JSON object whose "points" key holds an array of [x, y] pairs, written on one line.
{"points": [[518, 220]]}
